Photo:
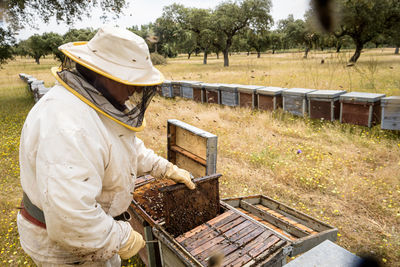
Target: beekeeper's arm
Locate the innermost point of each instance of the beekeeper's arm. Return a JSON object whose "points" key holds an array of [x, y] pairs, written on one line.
{"points": [[150, 163], [70, 168]]}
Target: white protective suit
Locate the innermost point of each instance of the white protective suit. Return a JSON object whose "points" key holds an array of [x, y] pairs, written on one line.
{"points": [[79, 167]]}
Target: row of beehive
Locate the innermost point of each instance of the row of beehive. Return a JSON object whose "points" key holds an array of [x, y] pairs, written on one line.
{"points": [[365, 109], [35, 86]]}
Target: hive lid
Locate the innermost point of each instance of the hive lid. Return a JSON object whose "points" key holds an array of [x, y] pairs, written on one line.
{"points": [[212, 86], [179, 82], [188, 83], [362, 97], [298, 91], [391, 100], [229, 87], [167, 82], [249, 88], [326, 94], [270, 90]]}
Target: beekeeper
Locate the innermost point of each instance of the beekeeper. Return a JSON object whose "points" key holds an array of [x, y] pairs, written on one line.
{"points": [[79, 155]]}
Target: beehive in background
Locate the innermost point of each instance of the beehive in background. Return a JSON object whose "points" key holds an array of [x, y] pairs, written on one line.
{"points": [[212, 93], [187, 89], [360, 108], [295, 101], [166, 89], [176, 88], [269, 98], [390, 113], [199, 94], [247, 95], [229, 94], [324, 104]]}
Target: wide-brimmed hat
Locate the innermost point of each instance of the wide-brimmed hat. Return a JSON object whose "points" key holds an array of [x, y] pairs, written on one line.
{"points": [[118, 54]]}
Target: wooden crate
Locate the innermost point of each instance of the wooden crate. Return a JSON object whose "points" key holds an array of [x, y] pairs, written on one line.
{"points": [[199, 94], [229, 95], [302, 231], [176, 88], [187, 89], [295, 101], [390, 113], [360, 108], [247, 95], [324, 104], [241, 240], [269, 98], [212, 93], [166, 89], [192, 148]]}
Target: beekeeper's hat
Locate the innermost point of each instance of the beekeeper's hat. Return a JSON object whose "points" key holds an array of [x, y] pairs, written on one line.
{"points": [[118, 54]]}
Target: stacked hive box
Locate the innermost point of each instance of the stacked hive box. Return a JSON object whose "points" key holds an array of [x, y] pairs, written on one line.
{"points": [[176, 88], [360, 108], [187, 89], [166, 89], [324, 104], [212, 93], [199, 94], [295, 101], [247, 95], [390, 113], [269, 98], [229, 94]]}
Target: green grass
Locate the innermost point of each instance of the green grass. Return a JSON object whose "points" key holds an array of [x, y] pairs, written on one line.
{"points": [[347, 176]]}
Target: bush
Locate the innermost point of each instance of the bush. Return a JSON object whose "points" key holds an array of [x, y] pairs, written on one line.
{"points": [[158, 59]]}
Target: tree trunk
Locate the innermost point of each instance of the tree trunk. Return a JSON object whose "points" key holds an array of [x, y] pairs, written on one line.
{"points": [[37, 60], [217, 55], [196, 52], [226, 57], [273, 50], [258, 54], [248, 53], [189, 54], [205, 57], [396, 51], [338, 47], [357, 53], [306, 52]]}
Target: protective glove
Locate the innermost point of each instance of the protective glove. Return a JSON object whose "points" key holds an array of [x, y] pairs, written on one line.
{"points": [[179, 176], [132, 246]]}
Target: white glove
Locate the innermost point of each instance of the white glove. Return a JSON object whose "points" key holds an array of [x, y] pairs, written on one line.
{"points": [[179, 175], [132, 246]]}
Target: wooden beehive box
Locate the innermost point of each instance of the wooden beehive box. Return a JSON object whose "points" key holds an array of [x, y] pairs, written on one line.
{"points": [[247, 95], [241, 239], [166, 89], [192, 148], [295, 101], [269, 98], [176, 88], [302, 231], [360, 108], [390, 113], [229, 95], [199, 94], [187, 89], [212, 93], [324, 104]]}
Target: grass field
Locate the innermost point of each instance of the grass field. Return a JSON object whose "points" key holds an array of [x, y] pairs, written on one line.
{"points": [[347, 176]]}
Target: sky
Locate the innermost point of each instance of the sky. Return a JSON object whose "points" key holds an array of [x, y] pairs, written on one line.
{"points": [[144, 11]]}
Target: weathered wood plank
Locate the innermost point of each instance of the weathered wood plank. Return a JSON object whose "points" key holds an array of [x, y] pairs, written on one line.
{"points": [[191, 142], [195, 168], [274, 220], [188, 154]]}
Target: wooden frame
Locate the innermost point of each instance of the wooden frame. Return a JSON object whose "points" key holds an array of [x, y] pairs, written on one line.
{"points": [[191, 148], [301, 230]]}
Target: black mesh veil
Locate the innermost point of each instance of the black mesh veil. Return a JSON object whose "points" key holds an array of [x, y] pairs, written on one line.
{"points": [[84, 82]]}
